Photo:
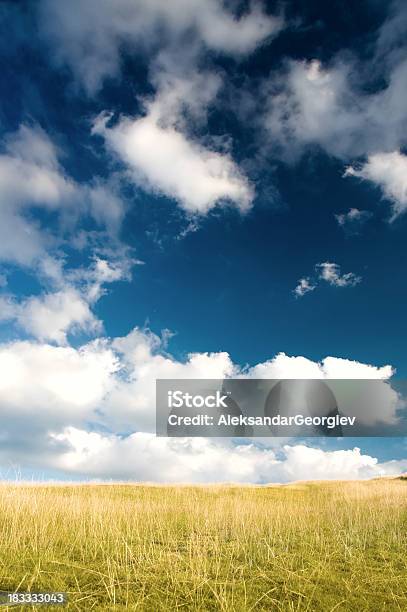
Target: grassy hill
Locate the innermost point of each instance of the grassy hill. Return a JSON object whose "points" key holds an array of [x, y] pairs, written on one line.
{"points": [[311, 546]]}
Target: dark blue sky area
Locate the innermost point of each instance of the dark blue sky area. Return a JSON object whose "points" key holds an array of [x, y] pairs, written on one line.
{"points": [[229, 284], [235, 276]]}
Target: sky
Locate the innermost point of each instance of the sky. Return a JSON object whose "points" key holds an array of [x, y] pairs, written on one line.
{"points": [[196, 189]]}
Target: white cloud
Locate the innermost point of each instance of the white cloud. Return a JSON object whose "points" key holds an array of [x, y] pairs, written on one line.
{"points": [[160, 154], [43, 388], [104, 385], [352, 220], [51, 378], [370, 404], [331, 273], [131, 404], [158, 148], [30, 172], [52, 316], [389, 172], [328, 272], [335, 367], [90, 36], [66, 408], [304, 286], [92, 279], [224, 33], [304, 463], [144, 457], [31, 176], [309, 104], [67, 310], [165, 161], [284, 366], [312, 104]]}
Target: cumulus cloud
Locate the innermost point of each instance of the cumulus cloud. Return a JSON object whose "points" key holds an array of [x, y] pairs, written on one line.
{"points": [[101, 386], [163, 160], [42, 388], [56, 382], [284, 366], [59, 394], [389, 172], [131, 404], [144, 457], [93, 413], [52, 316], [161, 155], [304, 463], [371, 404], [89, 37]]}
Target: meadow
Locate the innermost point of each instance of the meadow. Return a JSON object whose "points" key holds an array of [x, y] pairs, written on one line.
{"points": [[315, 546]]}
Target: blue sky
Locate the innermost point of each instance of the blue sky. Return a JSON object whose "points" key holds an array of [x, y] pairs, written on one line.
{"points": [[201, 189]]}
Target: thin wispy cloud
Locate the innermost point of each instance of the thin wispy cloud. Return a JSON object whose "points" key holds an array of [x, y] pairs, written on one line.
{"points": [[327, 272], [353, 220], [304, 286]]}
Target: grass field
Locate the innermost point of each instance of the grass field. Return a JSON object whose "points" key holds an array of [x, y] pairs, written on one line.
{"points": [[315, 546]]}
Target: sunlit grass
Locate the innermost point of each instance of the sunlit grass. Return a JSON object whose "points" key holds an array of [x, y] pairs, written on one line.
{"points": [[315, 546]]}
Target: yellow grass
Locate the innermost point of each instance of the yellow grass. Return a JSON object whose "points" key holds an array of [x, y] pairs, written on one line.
{"points": [[315, 546]]}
